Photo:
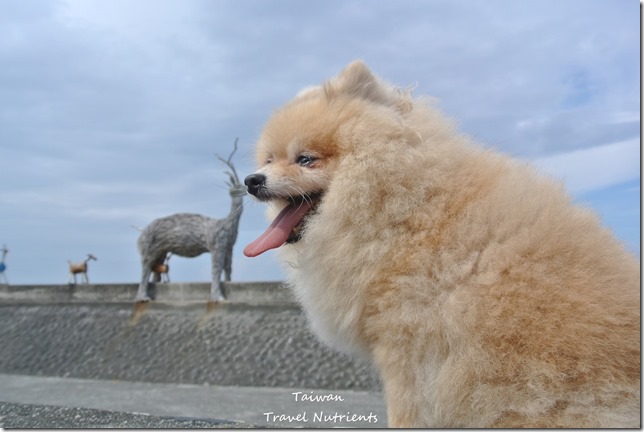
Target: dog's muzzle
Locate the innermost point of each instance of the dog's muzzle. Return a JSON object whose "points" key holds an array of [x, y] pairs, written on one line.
{"points": [[255, 183]]}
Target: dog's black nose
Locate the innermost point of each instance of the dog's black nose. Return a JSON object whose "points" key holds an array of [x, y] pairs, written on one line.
{"points": [[254, 182]]}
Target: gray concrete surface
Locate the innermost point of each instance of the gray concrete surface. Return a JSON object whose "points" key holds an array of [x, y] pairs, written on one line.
{"points": [[258, 346], [260, 406]]}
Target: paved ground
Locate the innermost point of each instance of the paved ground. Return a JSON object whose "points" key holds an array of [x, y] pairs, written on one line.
{"points": [[25, 416], [37, 402]]}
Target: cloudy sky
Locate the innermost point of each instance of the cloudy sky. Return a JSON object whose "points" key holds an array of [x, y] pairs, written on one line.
{"points": [[112, 111]]}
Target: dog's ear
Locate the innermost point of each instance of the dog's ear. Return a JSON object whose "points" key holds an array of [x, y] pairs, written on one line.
{"points": [[356, 80]]}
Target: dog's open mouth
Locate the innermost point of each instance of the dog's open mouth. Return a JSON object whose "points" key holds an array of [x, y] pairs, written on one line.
{"points": [[287, 226]]}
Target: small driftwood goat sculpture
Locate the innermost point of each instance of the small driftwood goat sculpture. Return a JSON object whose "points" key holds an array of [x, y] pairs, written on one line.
{"points": [[3, 266], [76, 268], [161, 271], [190, 235]]}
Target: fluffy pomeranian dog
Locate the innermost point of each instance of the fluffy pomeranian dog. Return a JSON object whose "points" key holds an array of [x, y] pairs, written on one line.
{"points": [[483, 297]]}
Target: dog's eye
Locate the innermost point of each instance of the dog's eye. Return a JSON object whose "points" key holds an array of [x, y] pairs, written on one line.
{"points": [[304, 160]]}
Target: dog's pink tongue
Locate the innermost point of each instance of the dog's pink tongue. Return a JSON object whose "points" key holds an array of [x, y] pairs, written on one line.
{"points": [[278, 232]]}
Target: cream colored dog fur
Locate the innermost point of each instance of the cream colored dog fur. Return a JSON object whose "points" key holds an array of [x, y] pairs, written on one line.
{"points": [[482, 295]]}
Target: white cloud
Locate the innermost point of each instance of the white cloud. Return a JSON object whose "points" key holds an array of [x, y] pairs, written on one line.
{"points": [[625, 117], [595, 168]]}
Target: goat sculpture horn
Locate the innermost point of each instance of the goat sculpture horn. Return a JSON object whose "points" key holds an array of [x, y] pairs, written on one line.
{"points": [[233, 176]]}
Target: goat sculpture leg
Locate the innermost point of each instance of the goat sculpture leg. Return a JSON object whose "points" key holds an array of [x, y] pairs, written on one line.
{"points": [[142, 292], [228, 264], [218, 257]]}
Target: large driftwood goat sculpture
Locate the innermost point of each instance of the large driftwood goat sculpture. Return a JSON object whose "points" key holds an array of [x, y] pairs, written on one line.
{"points": [[3, 266], [190, 235], [76, 268]]}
